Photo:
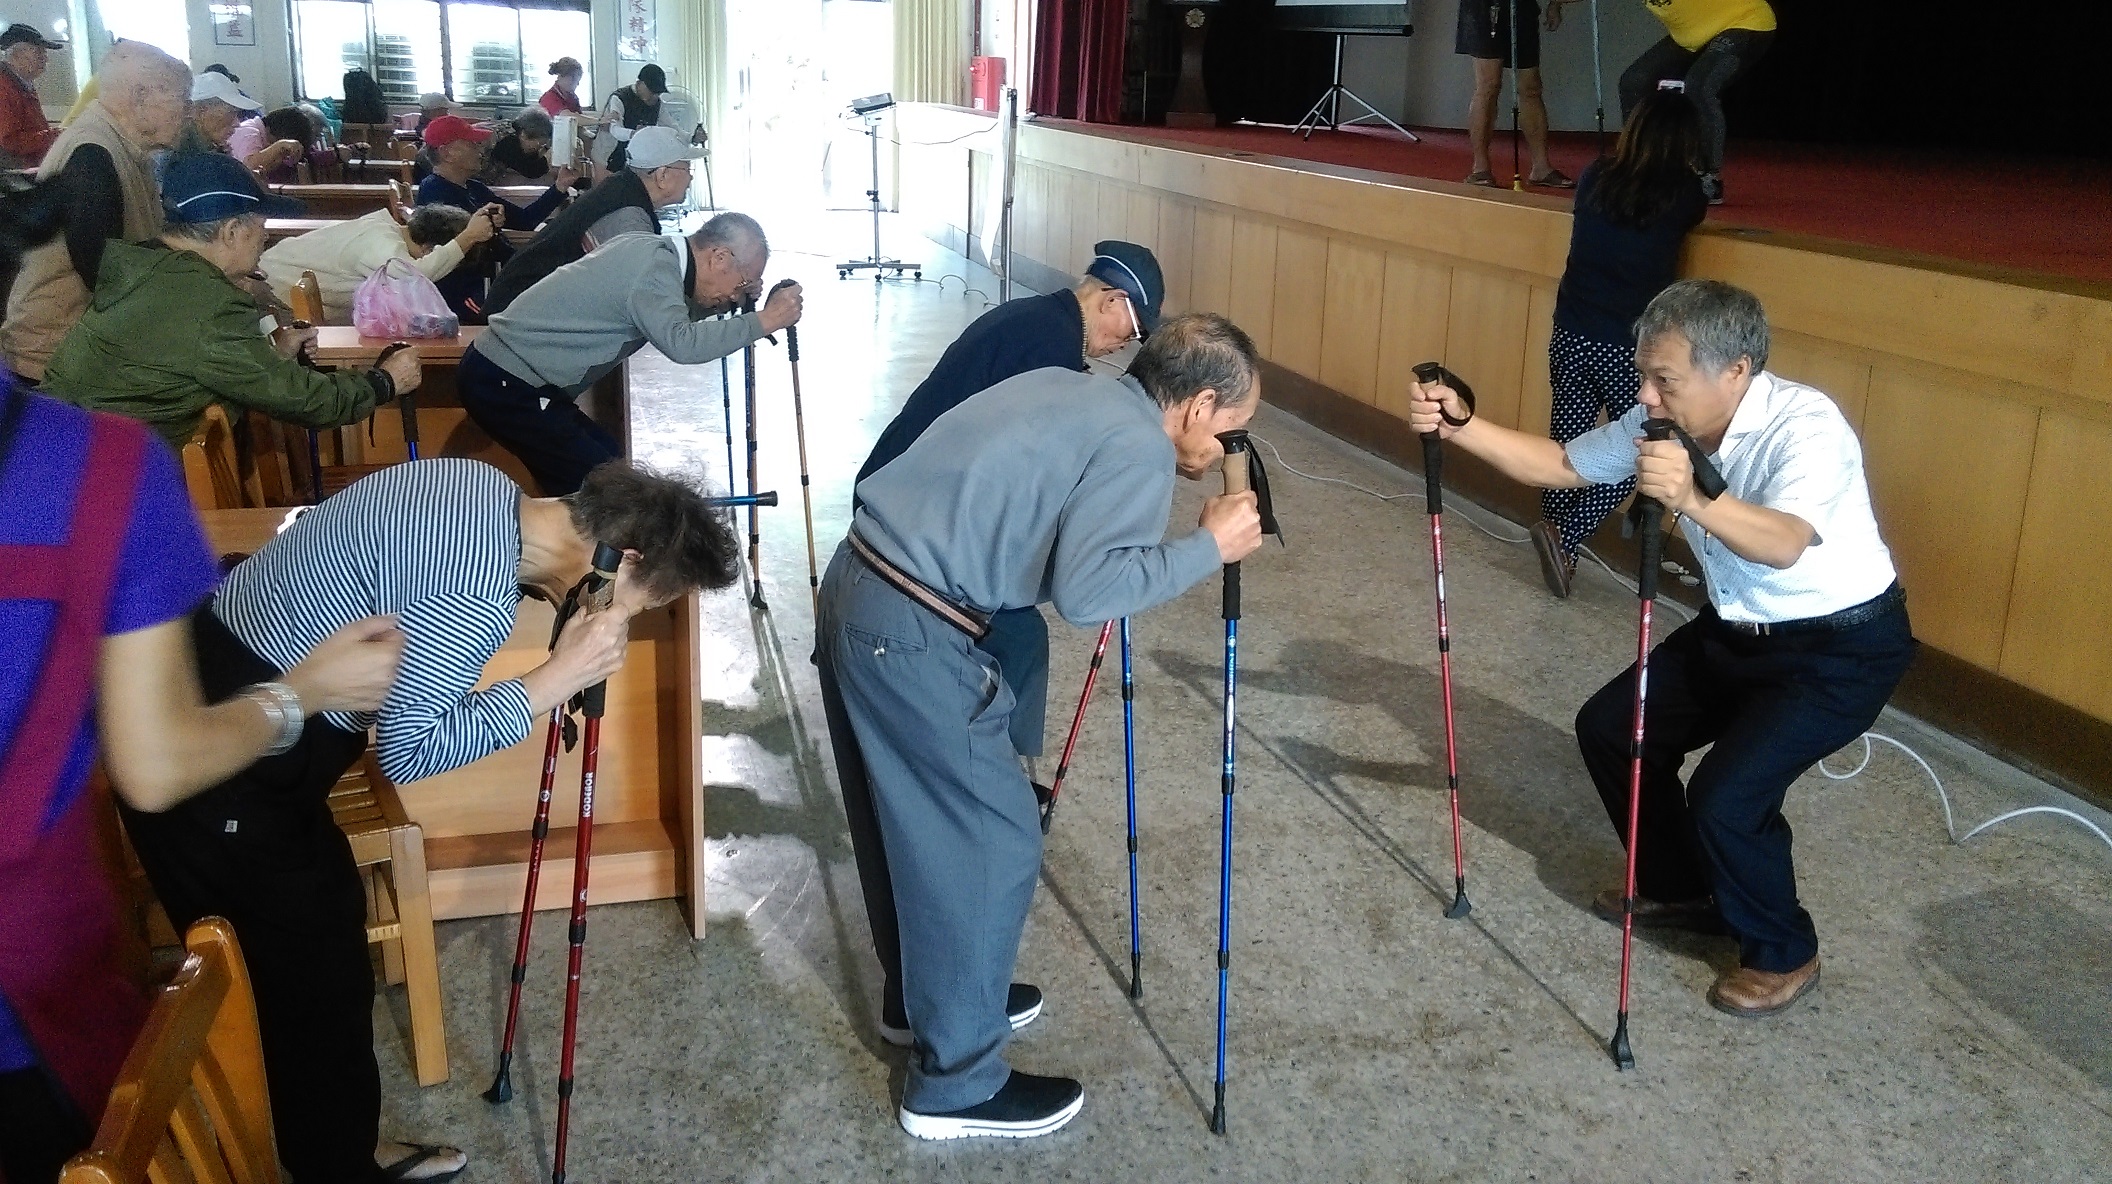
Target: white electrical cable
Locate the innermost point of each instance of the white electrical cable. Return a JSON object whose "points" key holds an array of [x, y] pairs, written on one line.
{"points": [[1950, 824]]}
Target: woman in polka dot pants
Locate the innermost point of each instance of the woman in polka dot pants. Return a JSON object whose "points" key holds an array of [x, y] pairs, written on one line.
{"points": [[1634, 209]]}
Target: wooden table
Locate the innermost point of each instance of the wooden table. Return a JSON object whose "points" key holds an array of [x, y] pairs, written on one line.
{"points": [[350, 200], [648, 809]]}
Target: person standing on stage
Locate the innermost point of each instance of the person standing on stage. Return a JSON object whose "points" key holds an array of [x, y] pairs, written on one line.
{"points": [[1052, 486], [1804, 637], [447, 547], [1634, 209], [1486, 35], [1116, 302], [519, 380], [1707, 44]]}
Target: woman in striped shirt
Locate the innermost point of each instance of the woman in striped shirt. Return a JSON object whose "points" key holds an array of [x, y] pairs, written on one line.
{"points": [[448, 547]]}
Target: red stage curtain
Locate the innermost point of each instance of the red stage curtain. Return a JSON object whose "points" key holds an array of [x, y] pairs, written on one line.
{"points": [[1078, 59]]}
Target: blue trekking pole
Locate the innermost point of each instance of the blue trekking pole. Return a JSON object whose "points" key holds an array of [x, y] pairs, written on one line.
{"points": [[1242, 473], [1129, 771]]}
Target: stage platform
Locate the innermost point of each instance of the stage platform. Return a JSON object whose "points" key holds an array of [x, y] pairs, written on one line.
{"points": [[2032, 214]]}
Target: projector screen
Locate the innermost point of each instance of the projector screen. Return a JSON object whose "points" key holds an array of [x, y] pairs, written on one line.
{"points": [[1322, 16]]}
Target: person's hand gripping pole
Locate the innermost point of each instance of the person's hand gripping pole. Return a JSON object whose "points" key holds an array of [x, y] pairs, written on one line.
{"points": [[1429, 373]]}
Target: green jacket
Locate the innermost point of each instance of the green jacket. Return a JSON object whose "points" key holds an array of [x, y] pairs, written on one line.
{"points": [[167, 334]]}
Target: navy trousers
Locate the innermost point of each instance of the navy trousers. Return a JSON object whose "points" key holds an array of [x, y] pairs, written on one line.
{"points": [[1019, 640], [1773, 707], [539, 424]]}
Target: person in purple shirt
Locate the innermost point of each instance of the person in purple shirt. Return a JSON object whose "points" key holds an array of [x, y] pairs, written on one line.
{"points": [[101, 564]]}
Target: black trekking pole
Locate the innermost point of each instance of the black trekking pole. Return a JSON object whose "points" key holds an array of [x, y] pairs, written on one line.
{"points": [[502, 1082], [1434, 497], [404, 406], [1129, 775], [1646, 516], [1517, 173], [1242, 473], [592, 702], [755, 527], [1598, 80], [1048, 794], [806, 491]]}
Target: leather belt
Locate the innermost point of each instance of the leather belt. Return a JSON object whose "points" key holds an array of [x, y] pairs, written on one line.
{"points": [[970, 621], [1848, 618]]}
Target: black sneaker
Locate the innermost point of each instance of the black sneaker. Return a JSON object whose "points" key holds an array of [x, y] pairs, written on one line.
{"points": [[1699, 915], [1712, 188], [1028, 1106], [1022, 1007]]}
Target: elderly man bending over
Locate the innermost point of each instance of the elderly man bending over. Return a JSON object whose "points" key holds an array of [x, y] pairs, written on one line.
{"points": [[171, 332], [343, 254], [104, 159], [561, 336]]}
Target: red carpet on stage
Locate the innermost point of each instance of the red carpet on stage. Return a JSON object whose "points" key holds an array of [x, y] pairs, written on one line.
{"points": [[2040, 215]]}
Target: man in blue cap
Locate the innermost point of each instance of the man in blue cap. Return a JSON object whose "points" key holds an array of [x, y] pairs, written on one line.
{"points": [[1116, 302]]}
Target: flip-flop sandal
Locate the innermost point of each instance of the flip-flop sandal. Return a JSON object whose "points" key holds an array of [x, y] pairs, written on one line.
{"points": [[421, 1154], [1483, 178], [1555, 179]]}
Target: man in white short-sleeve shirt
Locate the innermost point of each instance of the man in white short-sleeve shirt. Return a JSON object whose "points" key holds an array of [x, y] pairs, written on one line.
{"points": [[1805, 636]]}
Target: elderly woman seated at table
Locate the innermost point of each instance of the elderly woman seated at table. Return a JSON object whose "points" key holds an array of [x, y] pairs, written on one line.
{"points": [[522, 155], [168, 331], [343, 254], [275, 144]]}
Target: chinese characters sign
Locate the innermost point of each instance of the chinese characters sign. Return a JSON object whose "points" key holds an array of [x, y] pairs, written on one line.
{"points": [[234, 23], [638, 38]]}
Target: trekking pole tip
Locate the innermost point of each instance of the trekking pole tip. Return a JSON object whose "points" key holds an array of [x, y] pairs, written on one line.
{"points": [[1136, 976], [1461, 906], [1217, 1112], [1623, 1056], [501, 1090]]}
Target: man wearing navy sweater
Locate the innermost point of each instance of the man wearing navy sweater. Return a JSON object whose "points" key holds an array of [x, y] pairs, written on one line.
{"points": [[457, 147], [1115, 303]]}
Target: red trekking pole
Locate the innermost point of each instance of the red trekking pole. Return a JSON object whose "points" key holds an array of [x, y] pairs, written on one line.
{"points": [[1434, 497], [1070, 742], [593, 700]]}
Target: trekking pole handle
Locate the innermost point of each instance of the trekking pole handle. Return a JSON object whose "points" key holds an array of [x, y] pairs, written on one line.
{"points": [[404, 406], [792, 343], [1649, 518], [1433, 445], [1238, 479], [601, 587]]}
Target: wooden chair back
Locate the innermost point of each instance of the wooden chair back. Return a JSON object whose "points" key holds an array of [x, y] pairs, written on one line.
{"points": [[402, 200], [190, 1102], [213, 468], [306, 299]]}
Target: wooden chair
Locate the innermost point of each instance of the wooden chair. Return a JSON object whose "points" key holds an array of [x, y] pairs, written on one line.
{"points": [[190, 1103], [306, 299], [402, 200], [213, 469], [390, 851]]}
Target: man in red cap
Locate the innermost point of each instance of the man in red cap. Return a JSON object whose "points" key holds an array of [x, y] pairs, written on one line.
{"points": [[457, 148]]}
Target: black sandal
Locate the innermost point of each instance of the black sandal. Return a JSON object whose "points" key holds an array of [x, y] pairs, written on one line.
{"points": [[421, 1154]]}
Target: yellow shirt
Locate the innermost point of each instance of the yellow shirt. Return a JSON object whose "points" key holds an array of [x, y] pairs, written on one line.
{"points": [[81, 102], [1693, 22]]}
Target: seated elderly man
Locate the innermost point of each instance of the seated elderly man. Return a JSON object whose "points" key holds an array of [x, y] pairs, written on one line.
{"points": [[104, 157], [343, 254], [457, 148], [171, 332], [628, 201], [25, 134], [520, 378], [448, 548]]}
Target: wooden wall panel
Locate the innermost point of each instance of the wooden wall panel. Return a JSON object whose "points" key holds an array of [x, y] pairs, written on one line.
{"points": [[1250, 299], [1536, 392], [1142, 227], [1414, 320], [1210, 285], [1030, 212], [1349, 329], [1950, 501], [1112, 221], [2058, 638], [1483, 339], [1300, 299], [1175, 247], [1842, 374]]}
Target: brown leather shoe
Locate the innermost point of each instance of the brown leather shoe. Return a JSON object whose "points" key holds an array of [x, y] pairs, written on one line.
{"points": [[1754, 993], [1699, 914], [1555, 567]]}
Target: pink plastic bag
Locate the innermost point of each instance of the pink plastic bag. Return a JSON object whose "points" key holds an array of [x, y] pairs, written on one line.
{"points": [[398, 301]]}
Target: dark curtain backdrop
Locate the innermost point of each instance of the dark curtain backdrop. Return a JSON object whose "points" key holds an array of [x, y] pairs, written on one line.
{"points": [[1078, 59]]}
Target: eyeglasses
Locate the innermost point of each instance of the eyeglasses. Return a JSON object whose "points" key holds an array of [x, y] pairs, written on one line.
{"points": [[1136, 327]]}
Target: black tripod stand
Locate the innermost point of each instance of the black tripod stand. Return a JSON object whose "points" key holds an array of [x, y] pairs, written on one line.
{"points": [[879, 263], [1328, 110]]}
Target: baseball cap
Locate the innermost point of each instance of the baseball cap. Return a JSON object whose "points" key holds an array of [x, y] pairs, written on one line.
{"points": [[1135, 270], [656, 147], [21, 34], [213, 85], [208, 186], [434, 98], [654, 78], [449, 128]]}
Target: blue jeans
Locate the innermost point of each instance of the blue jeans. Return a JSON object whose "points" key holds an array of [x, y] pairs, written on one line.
{"points": [[539, 424], [1772, 706]]}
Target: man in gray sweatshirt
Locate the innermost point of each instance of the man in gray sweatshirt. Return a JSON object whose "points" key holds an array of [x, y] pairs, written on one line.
{"points": [[1052, 487], [578, 323]]}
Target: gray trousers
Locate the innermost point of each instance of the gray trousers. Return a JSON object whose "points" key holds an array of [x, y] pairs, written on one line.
{"points": [[931, 768]]}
